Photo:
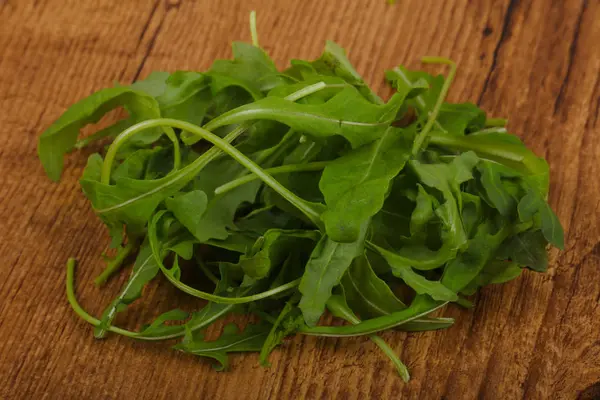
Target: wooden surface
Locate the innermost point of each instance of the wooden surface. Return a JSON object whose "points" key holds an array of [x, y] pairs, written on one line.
{"points": [[536, 61]]}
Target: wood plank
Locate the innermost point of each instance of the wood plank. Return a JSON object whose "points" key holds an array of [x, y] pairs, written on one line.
{"points": [[536, 62]]}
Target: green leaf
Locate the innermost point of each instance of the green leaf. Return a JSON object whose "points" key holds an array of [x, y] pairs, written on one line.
{"points": [[495, 271], [420, 307], [334, 61], [527, 248], [551, 227], [430, 87], [218, 218], [60, 138], [154, 85], [493, 182], [251, 69], [467, 265], [132, 202], [347, 114], [271, 249], [355, 185], [324, 270], [461, 119], [423, 212], [533, 204], [426, 324], [366, 293], [144, 270], [159, 329], [230, 341], [135, 165], [288, 322], [186, 97], [509, 272], [212, 312], [188, 208], [339, 308], [501, 148], [419, 283]]}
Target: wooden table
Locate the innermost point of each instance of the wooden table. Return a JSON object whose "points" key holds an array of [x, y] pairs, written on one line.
{"points": [[536, 61]]}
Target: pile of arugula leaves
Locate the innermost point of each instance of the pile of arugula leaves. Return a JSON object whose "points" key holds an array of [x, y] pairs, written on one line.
{"points": [[312, 194]]}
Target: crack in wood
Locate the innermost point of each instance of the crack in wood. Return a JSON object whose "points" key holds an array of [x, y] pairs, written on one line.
{"points": [[503, 36], [572, 52]]}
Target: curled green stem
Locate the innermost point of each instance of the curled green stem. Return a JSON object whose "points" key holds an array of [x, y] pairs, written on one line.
{"points": [[207, 156], [158, 257], [227, 148], [177, 331], [79, 310]]}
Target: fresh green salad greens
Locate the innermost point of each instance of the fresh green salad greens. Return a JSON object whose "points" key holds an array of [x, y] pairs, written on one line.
{"points": [[299, 191]]}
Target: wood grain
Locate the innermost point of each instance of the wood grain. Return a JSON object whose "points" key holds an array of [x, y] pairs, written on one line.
{"points": [[536, 61]]}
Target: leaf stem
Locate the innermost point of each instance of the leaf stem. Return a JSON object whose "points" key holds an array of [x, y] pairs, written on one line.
{"points": [[70, 280], [114, 264], [79, 310], [156, 252], [341, 310], [418, 99], [496, 122], [314, 166], [207, 271], [436, 109], [421, 306], [305, 91], [253, 31], [495, 129], [224, 146]]}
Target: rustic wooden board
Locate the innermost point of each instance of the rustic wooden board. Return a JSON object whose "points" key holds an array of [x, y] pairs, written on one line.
{"points": [[537, 61]]}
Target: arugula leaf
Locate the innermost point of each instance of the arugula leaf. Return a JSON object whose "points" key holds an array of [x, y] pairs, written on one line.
{"points": [[467, 265], [212, 311], [271, 249], [493, 181], [188, 208], [60, 138], [495, 271], [230, 341], [251, 69], [214, 222], [144, 270], [366, 293], [423, 212], [421, 306], [334, 61], [324, 270], [418, 282], [154, 85], [355, 185], [526, 248], [288, 322], [347, 114], [159, 329], [502, 148], [532, 205], [339, 308]]}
